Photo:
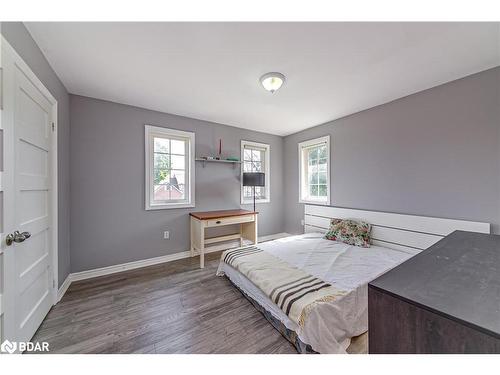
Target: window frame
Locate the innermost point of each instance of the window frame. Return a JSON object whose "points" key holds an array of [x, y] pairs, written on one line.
{"points": [[305, 145], [150, 132], [267, 170]]}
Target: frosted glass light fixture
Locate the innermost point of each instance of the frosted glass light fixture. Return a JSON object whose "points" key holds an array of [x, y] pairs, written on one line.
{"points": [[272, 81]]}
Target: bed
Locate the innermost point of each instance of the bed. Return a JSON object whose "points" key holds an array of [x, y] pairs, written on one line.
{"points": [[333, 308]]}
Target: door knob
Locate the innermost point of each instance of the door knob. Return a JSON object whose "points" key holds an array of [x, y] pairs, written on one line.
{"points": [[16, 237]]}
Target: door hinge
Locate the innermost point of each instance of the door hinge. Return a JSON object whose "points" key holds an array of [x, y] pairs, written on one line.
{"points": [[53, 127]]}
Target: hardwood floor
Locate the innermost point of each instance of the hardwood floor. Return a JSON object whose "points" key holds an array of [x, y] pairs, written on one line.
{"points": [[170, 308]]}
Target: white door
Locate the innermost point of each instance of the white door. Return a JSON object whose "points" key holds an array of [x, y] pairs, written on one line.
{"points": [[27, 203]]}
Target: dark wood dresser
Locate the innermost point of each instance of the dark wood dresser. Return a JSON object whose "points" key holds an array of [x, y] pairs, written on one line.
{"points": [[444, 300]]}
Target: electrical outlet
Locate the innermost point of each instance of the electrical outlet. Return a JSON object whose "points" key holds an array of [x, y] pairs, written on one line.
{"points": [[166, 235], [302, 222]]}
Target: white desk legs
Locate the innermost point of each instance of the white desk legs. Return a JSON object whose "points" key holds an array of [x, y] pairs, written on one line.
{"points": [[201, 235], [198, 239], [193, 235], [248, 230]]}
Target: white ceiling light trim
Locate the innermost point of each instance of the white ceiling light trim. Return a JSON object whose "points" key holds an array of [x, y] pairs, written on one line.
{"points": [[272, 81]]}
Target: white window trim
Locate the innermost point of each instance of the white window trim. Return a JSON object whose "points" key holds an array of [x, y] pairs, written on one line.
{"points": [[266, 171], [309, 143], [149, 132]]}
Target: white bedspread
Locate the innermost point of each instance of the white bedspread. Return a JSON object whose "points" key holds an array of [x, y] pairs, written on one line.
{"points": [[350, 268]]}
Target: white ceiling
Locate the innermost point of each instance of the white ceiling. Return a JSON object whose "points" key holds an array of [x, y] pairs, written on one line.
{"points": [[211, 71]]}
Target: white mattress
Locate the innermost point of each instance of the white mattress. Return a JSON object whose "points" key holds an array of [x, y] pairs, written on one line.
{"points": [[346, 267]]}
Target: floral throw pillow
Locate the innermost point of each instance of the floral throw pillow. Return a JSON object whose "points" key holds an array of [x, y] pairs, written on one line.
{"points": [[351, 232]]}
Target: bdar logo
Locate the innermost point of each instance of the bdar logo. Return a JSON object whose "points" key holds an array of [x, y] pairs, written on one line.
{"points": [[8, 347]]}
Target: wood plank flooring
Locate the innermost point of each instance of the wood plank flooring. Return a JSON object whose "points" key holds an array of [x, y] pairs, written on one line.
{"points": [[170, 308]]}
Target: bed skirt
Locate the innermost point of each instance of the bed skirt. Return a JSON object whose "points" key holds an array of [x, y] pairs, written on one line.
{"points": [[287, 333]]}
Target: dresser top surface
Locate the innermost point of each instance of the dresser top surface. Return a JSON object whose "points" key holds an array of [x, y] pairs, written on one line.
{"points": [[458, 277]]}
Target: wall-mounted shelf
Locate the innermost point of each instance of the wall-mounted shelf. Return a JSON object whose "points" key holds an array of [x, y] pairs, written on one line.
{"points": [[233, 162]]}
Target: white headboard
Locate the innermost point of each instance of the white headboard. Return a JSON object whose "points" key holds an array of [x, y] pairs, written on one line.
{"points": [[402, 232]]}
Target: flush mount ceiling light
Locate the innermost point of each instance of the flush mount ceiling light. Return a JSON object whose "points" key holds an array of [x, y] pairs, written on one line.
{"points": [[272, 81]]}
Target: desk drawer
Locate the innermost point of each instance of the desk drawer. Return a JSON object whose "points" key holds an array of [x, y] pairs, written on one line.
{"points": [[230, 220]]}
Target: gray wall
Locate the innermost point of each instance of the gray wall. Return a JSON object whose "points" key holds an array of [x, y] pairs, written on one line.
{"points": [[20, 39], [434, 153], [109, 224]]}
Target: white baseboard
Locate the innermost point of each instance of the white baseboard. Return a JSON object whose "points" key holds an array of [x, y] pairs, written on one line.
{"points": [[275, 236], [103, 271], [63, 288], [89, 274]]}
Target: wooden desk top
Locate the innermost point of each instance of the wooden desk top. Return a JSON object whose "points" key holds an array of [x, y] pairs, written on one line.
{"points": [[207, 215]]}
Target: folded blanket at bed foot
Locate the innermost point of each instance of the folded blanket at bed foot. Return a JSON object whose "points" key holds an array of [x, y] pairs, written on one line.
{"points": [[294, 291]]}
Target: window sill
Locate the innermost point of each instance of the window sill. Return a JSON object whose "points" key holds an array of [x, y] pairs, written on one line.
{"points": [[169, 206], [322, 203], [250, 201]]}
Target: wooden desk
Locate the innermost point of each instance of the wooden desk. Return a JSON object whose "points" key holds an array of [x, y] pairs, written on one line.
{"points": [[211, 219]]}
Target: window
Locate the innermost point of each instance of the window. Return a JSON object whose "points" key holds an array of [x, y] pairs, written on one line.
{"points": [[255, 158], [314, 171], [169, 168]]}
